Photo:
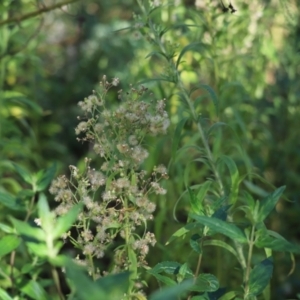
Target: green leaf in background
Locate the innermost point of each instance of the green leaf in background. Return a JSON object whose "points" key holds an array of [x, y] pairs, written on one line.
{"points": [[234, 176], [172, 293], [11, 202], [260, 277], [26, 176], [268, 204], [274, 241], [198, 46], [222, 244], [44, 177], [34, 290], [182, 231], [8, 243], [164, 279], [228, 229], [221, 213], [65, 222], [195, 243], [205, 283], [177, 136]]}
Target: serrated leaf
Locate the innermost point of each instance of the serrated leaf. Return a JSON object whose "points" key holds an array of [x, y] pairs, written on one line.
{"points": [[11, 202], [268, 204], [228, 229], [8, 243], [205, 283], [260, 277]]}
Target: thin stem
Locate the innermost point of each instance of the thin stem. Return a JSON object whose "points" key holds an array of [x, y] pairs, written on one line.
{"points": [[248, 269], [33, 14], [57, 283]]}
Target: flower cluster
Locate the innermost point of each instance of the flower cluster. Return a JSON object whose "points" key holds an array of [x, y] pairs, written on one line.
{"points": [[116, 196]]}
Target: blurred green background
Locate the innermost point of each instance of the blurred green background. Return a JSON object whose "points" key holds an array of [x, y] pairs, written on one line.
{"points": [[250, 58]]}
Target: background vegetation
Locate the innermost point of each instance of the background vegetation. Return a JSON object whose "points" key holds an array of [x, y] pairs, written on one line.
{"points": [[242, 68]]}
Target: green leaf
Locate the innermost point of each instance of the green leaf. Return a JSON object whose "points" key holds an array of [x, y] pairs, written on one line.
{"points": [[9, 243], [275, 242], [26, 230], [164, 279], [229, 296], [11, 202], [198, 46], [197, 202], [34, 290], [177, 136], [195, 243], [44, 177], [268, 204], [4, 295], [173, 292], [182, 231], [7, 229], [111, 287], [234, 177], [26, 176], [221, 213], [64, 223], [228, 229], [260, 277], [205, 283], [222, 244]]}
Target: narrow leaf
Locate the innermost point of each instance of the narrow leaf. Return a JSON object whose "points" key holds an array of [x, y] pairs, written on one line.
{"points": [[205, 283], [11, 202], [268, 204], [9, 243], [260, 277], [177, 136], [26, 176], [172, 292], [45, 177], [228, 229], [65, 222]]}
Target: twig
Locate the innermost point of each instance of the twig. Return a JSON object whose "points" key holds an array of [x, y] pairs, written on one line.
{"points": [[35, 13]]}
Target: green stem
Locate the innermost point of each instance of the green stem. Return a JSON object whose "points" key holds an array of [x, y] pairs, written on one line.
{"points": [[248, 269], [57, 283]]}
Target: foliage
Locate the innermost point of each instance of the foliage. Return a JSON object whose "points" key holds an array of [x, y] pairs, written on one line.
{"points": [[226, 128]]}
